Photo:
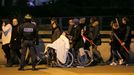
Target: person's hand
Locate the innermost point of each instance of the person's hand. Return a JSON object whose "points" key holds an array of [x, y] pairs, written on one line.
{"points": [[123, 43]]}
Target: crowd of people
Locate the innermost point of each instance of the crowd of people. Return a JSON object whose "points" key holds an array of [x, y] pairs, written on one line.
{"points": [[81, 31], [16, 38]]}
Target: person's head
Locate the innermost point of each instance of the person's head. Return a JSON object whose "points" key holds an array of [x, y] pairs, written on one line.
{"points": [[114, 25], [28, 18], [82, 20], [5, 21], [71, 22], [15, 22], [124, 20], [53, 23], [94, 21], [76, 21]]}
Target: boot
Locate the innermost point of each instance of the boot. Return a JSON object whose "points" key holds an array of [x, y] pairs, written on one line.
{"points": [[21, 68], [33, 68]]}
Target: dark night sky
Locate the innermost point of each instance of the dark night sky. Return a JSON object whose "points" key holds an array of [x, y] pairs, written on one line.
{"points": [[72, 7]]}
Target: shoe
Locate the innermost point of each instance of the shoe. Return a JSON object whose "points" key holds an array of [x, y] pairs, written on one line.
{"points": [[9, 65], [21, 69], [113, 64], [108, 62], [120, 61], [102, 63]]}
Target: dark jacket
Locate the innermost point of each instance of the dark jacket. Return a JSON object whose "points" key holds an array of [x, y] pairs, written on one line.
{"points": [[78, 40], [125, 33], [94, 34], [70, 29], [56, 32], [115, 43], [15, 39], [28, 31]]}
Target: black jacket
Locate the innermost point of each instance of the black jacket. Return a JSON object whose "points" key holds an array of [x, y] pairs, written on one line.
{"points": [[56, 32], [115, 43], [15, 39], [125, 33], [28, 31]]}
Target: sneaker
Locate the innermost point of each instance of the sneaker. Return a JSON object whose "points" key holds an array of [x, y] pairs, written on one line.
{"points": [[120, 61], [113, 64]]}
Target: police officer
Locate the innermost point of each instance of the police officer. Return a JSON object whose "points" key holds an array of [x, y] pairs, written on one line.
{"points": [[29, 36]]}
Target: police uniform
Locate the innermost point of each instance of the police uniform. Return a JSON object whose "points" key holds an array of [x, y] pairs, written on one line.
{"points": [[29, 37]]}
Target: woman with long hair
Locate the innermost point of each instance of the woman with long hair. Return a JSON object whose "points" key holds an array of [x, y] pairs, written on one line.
{"points": [[6, 38]]}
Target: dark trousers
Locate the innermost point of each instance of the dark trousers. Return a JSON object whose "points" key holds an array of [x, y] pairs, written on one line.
{"points": [[6, 50], [115, 54], [74, 50], [116, 51], [15, 53], [51, 56], [124, 54], [28, 44], [127, 44], [15, 56]]}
